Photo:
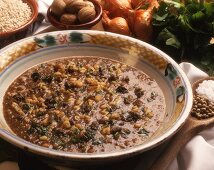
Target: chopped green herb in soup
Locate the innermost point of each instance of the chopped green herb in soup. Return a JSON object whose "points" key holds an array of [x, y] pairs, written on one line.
{"points": [[84, 104]]}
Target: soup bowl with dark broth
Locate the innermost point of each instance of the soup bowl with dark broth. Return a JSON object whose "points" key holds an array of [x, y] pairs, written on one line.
{"points": [[91, 101], [84, 104]]}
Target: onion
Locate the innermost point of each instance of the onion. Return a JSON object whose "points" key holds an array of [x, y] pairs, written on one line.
{"points": [[140, 22], [117, 25], [118, 8], [140, 3], [135, 3]]}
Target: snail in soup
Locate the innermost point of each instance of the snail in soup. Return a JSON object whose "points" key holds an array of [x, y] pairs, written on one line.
{"points": [[84, 104]]}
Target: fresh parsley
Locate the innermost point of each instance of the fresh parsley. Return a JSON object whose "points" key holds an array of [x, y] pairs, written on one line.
{"points": [[184, 31]]}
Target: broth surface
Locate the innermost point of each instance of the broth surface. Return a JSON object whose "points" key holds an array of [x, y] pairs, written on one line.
{"points": [[84, 104]]}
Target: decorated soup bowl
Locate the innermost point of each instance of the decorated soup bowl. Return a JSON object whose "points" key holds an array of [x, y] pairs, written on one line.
{"points": [[169, 77]]}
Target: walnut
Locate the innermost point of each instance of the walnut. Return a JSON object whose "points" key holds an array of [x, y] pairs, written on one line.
{"points": [[68, 19], [68, 1], [90, 4], [86, 14], [73, 7], [58, 7]]}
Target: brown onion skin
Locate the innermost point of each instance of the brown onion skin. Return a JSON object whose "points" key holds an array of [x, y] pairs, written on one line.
{"points": [[143, 25], [140, 3], [117, 25], [140, 22], [135, 3], [118, 8]]}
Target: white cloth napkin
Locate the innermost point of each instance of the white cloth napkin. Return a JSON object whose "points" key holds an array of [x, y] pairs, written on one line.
{"points": [[197, 154]]}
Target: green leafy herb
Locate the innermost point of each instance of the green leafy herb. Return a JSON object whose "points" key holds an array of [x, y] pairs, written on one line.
{"points": [[26, 107], [48, 79], [82, 137], [51, 103], [184, 31], [34, 128]]}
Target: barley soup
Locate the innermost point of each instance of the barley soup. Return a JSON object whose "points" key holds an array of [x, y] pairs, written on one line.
{"points": [[84, 104]]}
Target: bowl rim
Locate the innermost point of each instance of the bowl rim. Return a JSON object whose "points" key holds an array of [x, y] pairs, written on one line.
{"points": [[63, 26], [34, 7], [21, 143]]}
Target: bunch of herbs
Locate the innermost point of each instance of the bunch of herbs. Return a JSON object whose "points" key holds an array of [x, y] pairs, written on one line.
{"points": [[184, 30]]}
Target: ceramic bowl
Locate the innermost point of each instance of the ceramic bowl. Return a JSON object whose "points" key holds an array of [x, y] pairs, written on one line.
{"points": [[54, 20], [26, 53], [21, 32]]}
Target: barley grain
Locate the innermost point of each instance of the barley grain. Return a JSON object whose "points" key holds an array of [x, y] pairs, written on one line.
{"points": [[13, 14]]}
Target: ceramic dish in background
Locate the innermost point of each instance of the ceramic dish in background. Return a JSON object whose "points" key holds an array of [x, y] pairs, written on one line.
{"points": [[196, 84], [19, 56], [21, 32], [61, 26], [208, 98]]}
